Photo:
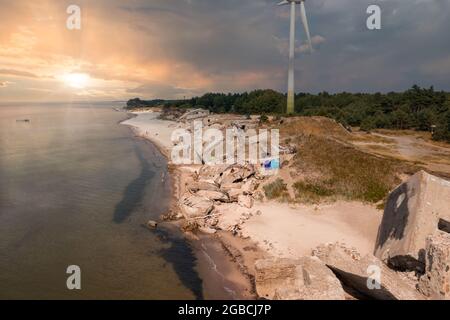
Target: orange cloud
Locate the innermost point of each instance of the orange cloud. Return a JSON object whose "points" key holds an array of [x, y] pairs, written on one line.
{"points": [[120, 48]]}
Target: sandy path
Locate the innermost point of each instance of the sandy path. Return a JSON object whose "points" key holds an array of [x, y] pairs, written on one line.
{"points": [[411, 148], [407, 146], [293, 232]]}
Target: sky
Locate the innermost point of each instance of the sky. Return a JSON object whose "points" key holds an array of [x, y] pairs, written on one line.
{"points": [[173, 49]]}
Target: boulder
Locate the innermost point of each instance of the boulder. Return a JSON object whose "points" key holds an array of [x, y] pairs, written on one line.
{"points": [[229, 186], [213, 195], [234, 193], [207, 230], [304, 279], [249, 186], [172, 215], [231, 216], [189, 226], [413, 212], [152, 224], [194, 206], [245, 201], [202, 185], [435, 283], [360, 274], [211, 173], [235, 174]]}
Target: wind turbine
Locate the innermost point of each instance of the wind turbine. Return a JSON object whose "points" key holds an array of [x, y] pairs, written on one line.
{"points": [[291, 86]]}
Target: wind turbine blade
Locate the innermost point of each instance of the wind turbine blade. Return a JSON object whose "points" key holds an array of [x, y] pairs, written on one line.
{"points": [[305, 24], [283, 2]]}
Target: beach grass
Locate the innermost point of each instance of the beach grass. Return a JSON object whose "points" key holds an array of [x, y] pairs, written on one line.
{"points": [[330, 167], [343, 171], [276, 190]]}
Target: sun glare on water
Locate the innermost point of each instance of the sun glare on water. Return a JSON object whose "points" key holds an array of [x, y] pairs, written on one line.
{"points": [[76, 80]]}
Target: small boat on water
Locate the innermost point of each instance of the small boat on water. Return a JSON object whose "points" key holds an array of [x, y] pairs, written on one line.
{"points": [[23, 120]]}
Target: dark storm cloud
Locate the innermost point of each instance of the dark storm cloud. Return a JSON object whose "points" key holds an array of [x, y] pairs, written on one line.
{"points": [[225, 38], [215, 36], [405, 51]]}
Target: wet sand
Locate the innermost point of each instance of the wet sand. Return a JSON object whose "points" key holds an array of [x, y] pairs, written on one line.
{"points": [[226, 262], [222, 277]]}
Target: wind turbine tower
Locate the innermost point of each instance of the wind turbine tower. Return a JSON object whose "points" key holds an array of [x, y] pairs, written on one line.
{"points": [[291, 73]]}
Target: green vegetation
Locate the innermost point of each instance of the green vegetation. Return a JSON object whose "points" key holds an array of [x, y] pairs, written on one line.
{"points": [[443, 130], [255, 102], [313, 191], [334, 169], [263, 119], [138, 103], [417, 108], [276, 190], [330, 167]]}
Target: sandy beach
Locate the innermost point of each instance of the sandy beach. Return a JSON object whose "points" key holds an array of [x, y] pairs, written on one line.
{"points": [[289, 231], [278, 230], [222, 276], [148, 126]]}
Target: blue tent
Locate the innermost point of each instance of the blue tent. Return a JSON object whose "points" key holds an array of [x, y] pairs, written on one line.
{"points": [[273, 164]]}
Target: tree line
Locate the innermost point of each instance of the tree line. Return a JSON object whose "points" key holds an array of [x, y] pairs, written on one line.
{"points": [[418, 108]]}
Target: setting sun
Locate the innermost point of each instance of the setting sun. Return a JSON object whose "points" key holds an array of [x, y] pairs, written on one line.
{"points": [[76, 80]]}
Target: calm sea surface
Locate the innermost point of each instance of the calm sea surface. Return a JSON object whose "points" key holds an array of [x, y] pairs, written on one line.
{"points": [[76, 189]]}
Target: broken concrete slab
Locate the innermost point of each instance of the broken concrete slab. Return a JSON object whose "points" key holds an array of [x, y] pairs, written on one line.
{"points": [[235, 174], [152, 224], [245, 201], [207, 230], [231, 187], [214, 195], [193, 206], [367, 275], [209, 174], [305, 279], [413, 212], [231, 216], [234, 193], [202, 185], [435, 283], [249, 186]]}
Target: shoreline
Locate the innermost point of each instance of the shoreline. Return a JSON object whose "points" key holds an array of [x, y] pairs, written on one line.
{"points": [[239, 232], [219, 260]]}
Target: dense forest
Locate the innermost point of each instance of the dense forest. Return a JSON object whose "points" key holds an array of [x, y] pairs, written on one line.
{"points": [[417, 108]]}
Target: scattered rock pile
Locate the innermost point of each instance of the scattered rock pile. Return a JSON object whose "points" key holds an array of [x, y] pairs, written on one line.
{"points": [[411, 238], [219, 197], [435, 283]]}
